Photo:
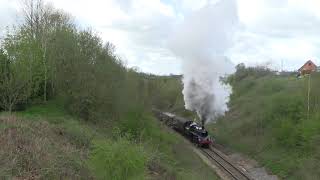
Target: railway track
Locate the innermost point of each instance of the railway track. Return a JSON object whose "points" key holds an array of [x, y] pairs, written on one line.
{"points": [[232, 171], [228, 168]]}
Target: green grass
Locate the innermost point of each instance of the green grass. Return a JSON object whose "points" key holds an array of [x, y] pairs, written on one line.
{"points": [[52, 111], [268, 120], [118, 160]]}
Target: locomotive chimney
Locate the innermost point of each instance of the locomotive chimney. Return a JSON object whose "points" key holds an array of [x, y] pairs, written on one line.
{"points": [[203, 120]]}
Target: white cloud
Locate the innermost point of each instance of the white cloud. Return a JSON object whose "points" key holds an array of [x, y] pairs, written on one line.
{"points": [[7, 14], [272, 30], [276, 31], [93, 12]]}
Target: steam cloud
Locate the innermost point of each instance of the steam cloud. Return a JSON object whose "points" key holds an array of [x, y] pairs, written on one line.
{"points": [[202, 41]]}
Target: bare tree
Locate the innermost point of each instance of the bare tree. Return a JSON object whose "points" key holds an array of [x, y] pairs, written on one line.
{"points": [[41, 22]]}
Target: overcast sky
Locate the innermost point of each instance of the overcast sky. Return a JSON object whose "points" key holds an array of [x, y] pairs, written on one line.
{"points": [[272, 31]]}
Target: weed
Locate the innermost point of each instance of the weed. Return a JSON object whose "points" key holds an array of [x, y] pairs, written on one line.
{"points": [[117, 160]]}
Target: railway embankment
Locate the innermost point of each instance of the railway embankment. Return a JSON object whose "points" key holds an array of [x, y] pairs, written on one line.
{"points": [[45, 142], [273, 119]]}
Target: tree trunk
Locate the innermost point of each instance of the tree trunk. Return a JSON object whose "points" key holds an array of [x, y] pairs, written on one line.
{"points": [[45, 86], [10, 109], [45, 75]]}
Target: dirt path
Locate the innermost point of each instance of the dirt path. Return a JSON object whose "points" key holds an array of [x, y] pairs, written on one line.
{"points": [[252, 167]]}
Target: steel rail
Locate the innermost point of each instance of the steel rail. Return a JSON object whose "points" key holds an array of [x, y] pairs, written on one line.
{"points": [[231, 164], [243, 174], [221, 165]]}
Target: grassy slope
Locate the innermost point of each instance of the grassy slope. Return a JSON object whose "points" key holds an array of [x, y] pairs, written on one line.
{"points": [[268, 121], [45, 142]]}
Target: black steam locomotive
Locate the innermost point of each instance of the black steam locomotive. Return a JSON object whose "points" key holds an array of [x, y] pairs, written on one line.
{"points": [[196, 133]]}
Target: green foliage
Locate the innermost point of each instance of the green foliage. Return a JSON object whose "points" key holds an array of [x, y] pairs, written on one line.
{"points": [[53, 109], [15, 74], [51, 58], [117, 160], [243, 72], [270, 115], [46, 59], [164, 153], [134, 123], [166, 93], [77, 133], [80, 136]]}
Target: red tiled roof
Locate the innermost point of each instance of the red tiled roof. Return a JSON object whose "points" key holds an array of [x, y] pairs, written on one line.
{"points": [[309, 61]]}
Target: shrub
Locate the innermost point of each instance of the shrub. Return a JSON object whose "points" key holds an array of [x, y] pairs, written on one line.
{"points": [[117, 160], [133, 123], [80, 136]]}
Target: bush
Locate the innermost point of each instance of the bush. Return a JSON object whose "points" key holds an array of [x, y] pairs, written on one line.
{"points": [[133, 123], [80, 136], [117, 160]]}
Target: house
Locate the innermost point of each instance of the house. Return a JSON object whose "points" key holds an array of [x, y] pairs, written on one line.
{"points": [[307, 68]]}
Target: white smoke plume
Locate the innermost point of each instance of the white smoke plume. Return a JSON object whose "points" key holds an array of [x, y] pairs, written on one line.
{"points": [[201, 41]]}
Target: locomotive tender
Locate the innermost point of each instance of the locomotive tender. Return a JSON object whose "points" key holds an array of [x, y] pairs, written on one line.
{"points": [[196, 133]]}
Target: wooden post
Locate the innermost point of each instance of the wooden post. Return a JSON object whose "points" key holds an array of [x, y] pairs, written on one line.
{"points": [[309, 89]]}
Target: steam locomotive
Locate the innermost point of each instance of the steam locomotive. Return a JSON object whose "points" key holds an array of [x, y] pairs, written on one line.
{"points": [[193, 131]]}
